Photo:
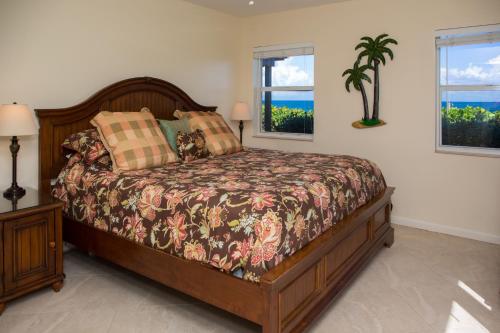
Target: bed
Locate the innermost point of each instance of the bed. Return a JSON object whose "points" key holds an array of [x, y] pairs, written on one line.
{"points": [[282, 291]]}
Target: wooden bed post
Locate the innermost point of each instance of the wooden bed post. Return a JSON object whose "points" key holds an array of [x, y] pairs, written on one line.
{"points": [[270, 323]]}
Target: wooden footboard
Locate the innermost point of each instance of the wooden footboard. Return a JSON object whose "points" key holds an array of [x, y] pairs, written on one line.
{"points": [[299, 289]]}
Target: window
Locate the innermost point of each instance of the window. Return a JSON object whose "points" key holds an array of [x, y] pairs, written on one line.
{"points": [[284, 91], [468, 97]]}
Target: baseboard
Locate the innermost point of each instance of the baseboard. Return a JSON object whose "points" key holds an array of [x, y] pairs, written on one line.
{"points": [[445, 229]]}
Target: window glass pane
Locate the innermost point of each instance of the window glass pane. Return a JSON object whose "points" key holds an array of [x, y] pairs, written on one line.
{"points": [[290, 71], [477, 64], [443, 56], [470, 118], [288, 112]]}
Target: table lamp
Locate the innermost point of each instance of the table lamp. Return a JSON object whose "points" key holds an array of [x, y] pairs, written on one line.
{"points": [[16, 120], [241, 112]]}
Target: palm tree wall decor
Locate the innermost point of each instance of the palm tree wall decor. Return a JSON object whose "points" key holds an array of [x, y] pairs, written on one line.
{"points": [[355, 76], [374, 51]]}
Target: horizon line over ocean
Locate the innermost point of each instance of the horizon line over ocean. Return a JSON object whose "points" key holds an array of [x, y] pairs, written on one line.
{"points": [[308, 105]]}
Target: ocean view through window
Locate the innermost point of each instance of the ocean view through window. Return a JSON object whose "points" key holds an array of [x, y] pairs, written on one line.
{"points": [[284, 91], [468, 114]]}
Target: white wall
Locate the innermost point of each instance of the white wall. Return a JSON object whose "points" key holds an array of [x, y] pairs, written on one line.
{"points": [[56, 53], [458, 194]]}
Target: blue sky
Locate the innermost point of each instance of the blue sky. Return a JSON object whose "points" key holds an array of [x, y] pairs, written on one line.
{"points": [[460, 65], [294, 71], [471, 65]]}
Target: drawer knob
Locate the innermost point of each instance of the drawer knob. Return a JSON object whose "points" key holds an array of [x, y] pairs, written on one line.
{"points": [[52, 245]]}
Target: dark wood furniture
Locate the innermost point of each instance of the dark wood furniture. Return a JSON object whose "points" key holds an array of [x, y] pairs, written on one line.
{"points": [[289, 296], [31, 251]]}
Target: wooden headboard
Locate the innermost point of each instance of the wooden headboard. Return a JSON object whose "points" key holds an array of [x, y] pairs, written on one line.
{"points": [[161, 97]]}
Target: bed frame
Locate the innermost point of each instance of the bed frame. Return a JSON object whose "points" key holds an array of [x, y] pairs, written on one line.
{"points": [[288, 297]]}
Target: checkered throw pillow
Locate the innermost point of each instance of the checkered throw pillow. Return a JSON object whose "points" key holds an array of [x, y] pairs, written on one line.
{"points": [[219, 138], [134, 140]]}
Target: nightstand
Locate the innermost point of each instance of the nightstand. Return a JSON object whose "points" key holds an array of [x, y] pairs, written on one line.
{"points": [[31, 250]]}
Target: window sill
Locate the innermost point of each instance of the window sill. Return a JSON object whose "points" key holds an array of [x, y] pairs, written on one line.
{"points": [[285, 136], [469, 151]]}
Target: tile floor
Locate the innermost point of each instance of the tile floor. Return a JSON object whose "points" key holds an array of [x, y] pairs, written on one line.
{"points": [[427, 282]]}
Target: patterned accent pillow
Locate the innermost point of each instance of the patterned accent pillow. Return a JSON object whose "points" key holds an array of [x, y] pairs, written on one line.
{"points": [[104, 161], [170, 129], [218, 135], [88, 143], [191, 146], [134, 140]]}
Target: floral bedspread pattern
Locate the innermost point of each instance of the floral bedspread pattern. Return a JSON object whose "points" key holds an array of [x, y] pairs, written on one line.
{"points": [[248, 210]]}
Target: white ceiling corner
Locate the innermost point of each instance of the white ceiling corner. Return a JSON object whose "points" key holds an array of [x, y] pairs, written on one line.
{"points": [[242, 8]]}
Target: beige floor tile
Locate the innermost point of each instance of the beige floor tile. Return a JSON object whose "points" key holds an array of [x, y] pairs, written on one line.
{"points": [[30, 323], [85, 321], [471, 266], [450, 305], [398, 267], [375, 311], [179, 318], [84, 293]]}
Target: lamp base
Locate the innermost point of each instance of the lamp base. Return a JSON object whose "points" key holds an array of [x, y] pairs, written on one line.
{"points": [[241, 131], [14, 192]]}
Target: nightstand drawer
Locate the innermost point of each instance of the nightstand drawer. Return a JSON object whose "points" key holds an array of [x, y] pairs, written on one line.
{"points": [[29, 250]]}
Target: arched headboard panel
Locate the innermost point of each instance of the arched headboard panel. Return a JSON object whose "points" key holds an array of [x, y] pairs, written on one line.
{"points": [[161, 97]]}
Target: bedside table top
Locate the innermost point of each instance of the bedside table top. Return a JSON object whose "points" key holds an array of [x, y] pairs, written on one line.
{"points": [[32, 199]]}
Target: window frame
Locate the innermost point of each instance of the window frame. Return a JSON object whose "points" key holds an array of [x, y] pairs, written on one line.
{"points": [[453, 37], [259, 89]]}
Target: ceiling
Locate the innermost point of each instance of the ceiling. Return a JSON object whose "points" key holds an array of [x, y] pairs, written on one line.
{"points": [[242, 8]]}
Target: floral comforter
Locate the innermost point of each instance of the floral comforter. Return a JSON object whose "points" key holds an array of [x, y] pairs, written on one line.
{"points": [[247, 211]]}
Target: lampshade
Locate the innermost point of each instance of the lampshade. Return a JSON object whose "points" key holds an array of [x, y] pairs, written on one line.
{"points": [[241, 111], [17, 120]]}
